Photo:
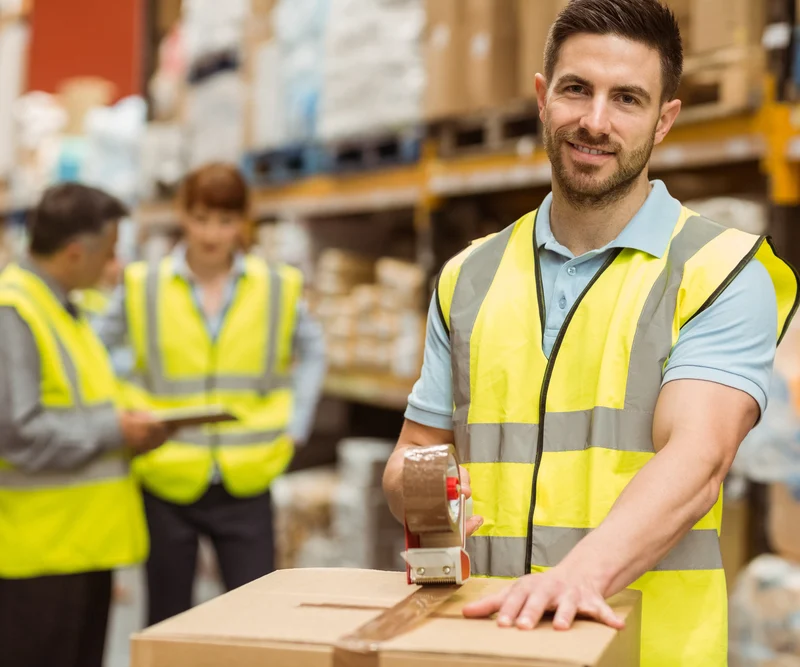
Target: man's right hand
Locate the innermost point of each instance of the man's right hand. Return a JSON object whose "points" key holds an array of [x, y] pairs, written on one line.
{"points": [[142, 432]]}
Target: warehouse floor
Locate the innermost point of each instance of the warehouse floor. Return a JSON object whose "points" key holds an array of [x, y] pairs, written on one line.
{"points": [[127, 616]]}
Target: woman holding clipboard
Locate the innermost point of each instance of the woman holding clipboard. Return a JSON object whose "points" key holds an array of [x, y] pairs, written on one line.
{"points": [[217, 336]]}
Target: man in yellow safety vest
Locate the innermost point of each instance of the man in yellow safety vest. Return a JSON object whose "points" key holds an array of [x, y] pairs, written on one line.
{"points": [[70, 511], [599, 362]]}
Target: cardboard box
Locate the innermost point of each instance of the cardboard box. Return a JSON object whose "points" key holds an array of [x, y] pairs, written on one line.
{"points": [[445, 51], [720, 24], [293, 618], [491, 62], [784, 522], [535, 19]]}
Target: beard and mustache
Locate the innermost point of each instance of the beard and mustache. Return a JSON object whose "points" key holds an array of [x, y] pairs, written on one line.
{"points": [[579, 186]]}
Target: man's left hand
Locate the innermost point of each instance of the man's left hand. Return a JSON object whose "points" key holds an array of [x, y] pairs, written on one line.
{"points": [[525, 602]]}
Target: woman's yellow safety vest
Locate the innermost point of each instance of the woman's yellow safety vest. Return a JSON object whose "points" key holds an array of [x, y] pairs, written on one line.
{"points": [[84, 520], [551, 443], [246, 370]]}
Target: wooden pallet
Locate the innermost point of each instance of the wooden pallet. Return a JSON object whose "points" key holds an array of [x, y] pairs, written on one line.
{"points": [[378, 151], [284, 165], [721, 83], [490, 131]]}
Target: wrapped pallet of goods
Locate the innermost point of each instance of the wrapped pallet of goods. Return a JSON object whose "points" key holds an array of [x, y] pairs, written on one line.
{"points": [[373, 53], [215, 110], [300, 59]]}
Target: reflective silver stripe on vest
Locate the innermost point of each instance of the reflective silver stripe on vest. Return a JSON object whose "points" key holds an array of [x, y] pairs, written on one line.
{"points": [[503, 556], [652, 342], [200, 438], [474, 281], [155, 379], [102, 469], [620, 430], [268, 379], [66, 360], [624, 430]]}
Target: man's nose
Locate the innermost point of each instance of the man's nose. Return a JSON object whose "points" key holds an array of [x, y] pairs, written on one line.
{"points": [[596, 120]]}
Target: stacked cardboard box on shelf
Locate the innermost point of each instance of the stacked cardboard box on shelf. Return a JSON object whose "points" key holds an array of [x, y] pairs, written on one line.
{"points": [[486, 53], [371, 313]]}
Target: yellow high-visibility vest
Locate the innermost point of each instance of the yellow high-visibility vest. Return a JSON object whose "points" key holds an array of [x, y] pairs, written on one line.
{"points": [[84, 520], [246, 370], [92, 301], [550, 444]]}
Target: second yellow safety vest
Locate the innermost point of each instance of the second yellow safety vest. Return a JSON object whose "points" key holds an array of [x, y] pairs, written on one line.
{"points": [[82, 520], [550, 443], [246, 370]]}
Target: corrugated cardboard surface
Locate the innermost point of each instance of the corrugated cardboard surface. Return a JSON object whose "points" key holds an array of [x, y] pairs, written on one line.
{"points": [[491, 52], [293, 618], [445, 51]]}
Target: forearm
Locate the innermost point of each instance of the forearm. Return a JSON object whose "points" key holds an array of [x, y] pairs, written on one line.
{"points": [[654, 512]]}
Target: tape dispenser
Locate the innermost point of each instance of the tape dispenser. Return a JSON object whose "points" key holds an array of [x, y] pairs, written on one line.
{"points": [[435, 517]]}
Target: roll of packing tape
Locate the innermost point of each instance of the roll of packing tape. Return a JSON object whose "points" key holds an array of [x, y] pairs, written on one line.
{"points": [[431, 490]]}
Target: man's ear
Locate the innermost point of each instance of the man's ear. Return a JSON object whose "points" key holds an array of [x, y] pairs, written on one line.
{"points": [[73, 251], [669, 112], [541, 94]]}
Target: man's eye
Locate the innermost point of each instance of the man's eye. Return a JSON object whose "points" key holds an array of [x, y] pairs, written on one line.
{"points": [[575, 89], [628, 99]]}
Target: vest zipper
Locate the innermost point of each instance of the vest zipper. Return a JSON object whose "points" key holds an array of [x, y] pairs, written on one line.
{"points": [[548, 373]]}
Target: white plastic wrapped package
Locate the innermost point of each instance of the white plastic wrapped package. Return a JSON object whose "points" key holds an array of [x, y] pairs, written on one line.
{"points": [[39, 121], [299, 34], [215, 119], [212, 26], [114, 137], [374, 77]]}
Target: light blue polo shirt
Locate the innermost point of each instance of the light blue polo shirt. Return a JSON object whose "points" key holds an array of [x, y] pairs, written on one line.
{"points": [[731, 343]]}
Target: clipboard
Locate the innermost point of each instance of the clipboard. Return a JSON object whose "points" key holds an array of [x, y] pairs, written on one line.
{"points": [[195, 416]]}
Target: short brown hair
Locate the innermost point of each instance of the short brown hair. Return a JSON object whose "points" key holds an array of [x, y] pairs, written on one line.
{"points": [[67, 211], [649, 22], [217, 185]]}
